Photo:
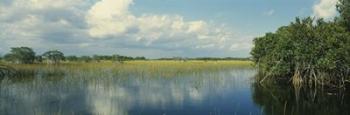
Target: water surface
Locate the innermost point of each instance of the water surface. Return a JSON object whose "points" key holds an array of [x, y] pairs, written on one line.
{"points": [[226, 92]]}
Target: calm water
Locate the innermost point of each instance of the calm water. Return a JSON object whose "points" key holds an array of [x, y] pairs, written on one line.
{"points": [[229, 92]]}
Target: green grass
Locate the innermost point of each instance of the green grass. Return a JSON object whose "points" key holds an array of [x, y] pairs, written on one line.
{"points": [[139, 68]]}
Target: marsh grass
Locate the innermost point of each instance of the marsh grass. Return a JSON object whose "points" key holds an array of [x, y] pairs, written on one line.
{"points": [[129, 68]]}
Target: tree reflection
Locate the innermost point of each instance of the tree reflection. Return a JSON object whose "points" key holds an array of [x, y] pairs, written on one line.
{"points": [[281, 99]]}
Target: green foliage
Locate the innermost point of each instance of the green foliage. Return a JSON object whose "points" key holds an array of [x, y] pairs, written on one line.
{"points": [[98, 58], [344, 10], [307, 47], [21, 55], [71, 58], [121, 58], [85, 58], [140, 58], [54, 56], [38, 59], [308, 50]]}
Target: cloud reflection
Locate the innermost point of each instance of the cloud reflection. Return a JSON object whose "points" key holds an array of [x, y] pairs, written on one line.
{"points": [[115, 95]]}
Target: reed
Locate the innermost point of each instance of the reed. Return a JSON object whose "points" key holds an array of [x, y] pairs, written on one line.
{"points": [[140, 68]]}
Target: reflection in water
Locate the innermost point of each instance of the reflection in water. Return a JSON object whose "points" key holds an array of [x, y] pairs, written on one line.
{"points": [[167, 95], [277, 99], [225, 92], [232, 92]]}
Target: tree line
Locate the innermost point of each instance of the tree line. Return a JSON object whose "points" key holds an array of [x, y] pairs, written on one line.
{"points": [[308, 50], [26, 55]]}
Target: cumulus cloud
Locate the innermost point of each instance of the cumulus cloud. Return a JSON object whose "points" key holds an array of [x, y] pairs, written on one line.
{"points": [[42, 24], [109, 25], [109, 17], [33, 19], [112, 19], [325, 9]]}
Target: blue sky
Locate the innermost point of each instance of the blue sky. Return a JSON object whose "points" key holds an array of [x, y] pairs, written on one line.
{"points": [[151, 28], [249, 15]]}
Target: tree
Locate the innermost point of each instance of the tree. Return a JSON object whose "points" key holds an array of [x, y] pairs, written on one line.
{"points": [[313, 51], [344, 11], [53, 56], [21, 55], [71, 58], [117, 58], [85, 58], [306, 49], [140, 58], [39, 59]]}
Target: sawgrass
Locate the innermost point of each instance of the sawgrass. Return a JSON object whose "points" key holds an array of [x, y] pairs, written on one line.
{"points": [[138, 68]]}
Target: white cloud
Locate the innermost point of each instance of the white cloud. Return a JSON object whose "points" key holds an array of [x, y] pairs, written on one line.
{"points": [[86, 26], [41, 23], [109, 17], [112, 19], [325, 9]]}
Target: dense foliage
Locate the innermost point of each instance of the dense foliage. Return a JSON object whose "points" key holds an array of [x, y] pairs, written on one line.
{"points": [[344, 11], [307, 50], [23, 55], [53, 56]]}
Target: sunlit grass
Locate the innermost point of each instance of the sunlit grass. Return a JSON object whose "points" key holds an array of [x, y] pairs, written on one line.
{"points": [[138, 68]]}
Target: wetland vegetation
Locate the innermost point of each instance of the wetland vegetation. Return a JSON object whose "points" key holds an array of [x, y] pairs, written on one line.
{"points": [[307, 51], [131, 87]]}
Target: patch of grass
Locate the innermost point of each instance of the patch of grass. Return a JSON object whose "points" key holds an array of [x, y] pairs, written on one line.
{"points": [[138, 68]]}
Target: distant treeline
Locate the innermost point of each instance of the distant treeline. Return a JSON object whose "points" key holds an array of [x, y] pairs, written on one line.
{"points": [[103, 58], [26, 55], [307, 51]]}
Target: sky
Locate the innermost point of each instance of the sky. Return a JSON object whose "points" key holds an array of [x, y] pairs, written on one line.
{"points": [[150, 28]]}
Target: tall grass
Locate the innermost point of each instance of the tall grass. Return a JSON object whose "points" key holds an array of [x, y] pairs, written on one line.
{"points": [[140, 68]]}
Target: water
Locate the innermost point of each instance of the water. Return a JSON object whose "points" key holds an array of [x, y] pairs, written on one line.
{"points": [[227, 92]]}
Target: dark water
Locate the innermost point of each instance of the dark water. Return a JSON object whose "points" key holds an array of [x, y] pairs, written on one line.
{"points": [[232, 92]]}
